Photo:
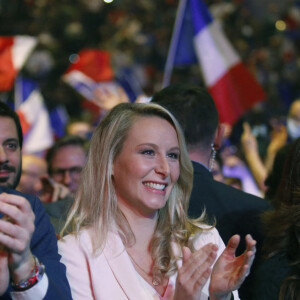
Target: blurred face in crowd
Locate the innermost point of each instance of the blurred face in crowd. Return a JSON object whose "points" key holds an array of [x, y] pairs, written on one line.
{"points": [[293, 121], [10, 153], [66, 166], [147, 167], [33, 169]]}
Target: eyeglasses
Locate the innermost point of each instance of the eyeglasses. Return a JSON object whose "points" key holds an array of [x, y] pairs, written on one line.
{"points": [[73, 172]]}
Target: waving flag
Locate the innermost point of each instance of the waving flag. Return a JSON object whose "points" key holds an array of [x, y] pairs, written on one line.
{"points": [[93, 66], [93, 70], [197, 37], [14, 51], [34, 117]]}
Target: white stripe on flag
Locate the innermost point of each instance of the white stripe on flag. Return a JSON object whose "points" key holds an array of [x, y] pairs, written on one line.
{"points": [[214, 52], [21, 49]]}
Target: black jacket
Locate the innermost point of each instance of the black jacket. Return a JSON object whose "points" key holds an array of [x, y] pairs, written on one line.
{"points": [[235, 211]]}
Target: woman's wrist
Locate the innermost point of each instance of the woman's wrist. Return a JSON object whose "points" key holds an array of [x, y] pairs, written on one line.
{"points": [[220, 296]]}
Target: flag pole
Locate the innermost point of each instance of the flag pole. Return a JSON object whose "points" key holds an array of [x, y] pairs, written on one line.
{"points": [[174, 43]]}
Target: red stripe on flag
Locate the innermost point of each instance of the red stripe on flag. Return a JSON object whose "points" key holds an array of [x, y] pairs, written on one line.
{"points": [[24, 124], [7, 70], [235, 93]]}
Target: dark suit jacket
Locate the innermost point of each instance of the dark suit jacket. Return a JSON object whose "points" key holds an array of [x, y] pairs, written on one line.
{"points": [[235, 211], [269, 276], [44, 246]]}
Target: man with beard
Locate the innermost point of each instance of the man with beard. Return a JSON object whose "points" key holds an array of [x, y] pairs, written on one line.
{"points": [[29, 261], [10, 151]]}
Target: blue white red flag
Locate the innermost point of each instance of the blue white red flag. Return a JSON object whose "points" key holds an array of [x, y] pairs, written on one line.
{"points": [[34, 117], [93, 70], [198, 38]]}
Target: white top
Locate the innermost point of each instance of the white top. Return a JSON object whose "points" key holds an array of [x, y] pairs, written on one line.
{"points": [[37, 292]]}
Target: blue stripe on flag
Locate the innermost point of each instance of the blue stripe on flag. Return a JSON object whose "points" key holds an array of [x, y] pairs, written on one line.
{"points": [[28, 86], [185, 52], [58, 118], [196, 18], [200, 15], [192, 17]]}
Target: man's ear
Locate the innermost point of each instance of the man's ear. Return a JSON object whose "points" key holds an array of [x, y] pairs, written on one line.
{"points": [[219, 135]]}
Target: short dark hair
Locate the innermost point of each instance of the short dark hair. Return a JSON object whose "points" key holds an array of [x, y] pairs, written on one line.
{"points": [[194, 109], [6, 111], [68, 140]]}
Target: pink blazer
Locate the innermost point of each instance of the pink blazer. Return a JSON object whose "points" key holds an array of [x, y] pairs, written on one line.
{"points": [[111, 275]]}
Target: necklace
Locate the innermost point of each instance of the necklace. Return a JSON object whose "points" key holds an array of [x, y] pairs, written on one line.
{"points": [[154, 281]]}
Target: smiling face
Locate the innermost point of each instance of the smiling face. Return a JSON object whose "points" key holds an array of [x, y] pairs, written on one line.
{"points": [[10, 153], [146, 169]]}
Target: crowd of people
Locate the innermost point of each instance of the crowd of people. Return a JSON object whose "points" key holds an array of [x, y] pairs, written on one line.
{"points": [[137, 40], [133, 205], [154, 200]]}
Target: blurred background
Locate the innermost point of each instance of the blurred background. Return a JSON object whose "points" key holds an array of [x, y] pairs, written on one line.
{"points": [[137, 34]]}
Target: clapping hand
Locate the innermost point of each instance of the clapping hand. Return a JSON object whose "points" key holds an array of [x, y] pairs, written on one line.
{"points": [[230, 271], [16, 229], [195, 271]]}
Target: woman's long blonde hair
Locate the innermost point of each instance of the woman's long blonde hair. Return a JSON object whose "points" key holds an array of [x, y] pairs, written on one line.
{"points": [[96, 205]]}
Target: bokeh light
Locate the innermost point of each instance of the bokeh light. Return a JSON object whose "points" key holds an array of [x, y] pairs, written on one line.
{"points": [[74, 58], [280, 25]]}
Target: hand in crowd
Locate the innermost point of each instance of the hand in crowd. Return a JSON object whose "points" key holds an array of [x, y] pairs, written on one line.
{"points": [[230, 271], [106, 98], [195, 271], [248, 140], [16, 229], [279, 136], [251, 152], [53, 191]]}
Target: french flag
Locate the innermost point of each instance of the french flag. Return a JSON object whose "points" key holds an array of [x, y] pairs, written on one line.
{"points": [[92, 66], [14, 51], [93, 69], [34, 117], [198, 38]]}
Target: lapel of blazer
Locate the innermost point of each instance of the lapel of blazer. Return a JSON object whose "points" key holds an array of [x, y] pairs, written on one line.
{"points": [[123, 269]]}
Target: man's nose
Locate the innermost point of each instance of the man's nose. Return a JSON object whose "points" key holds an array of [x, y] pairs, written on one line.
{"points": [[67, 178], [3, 155]]}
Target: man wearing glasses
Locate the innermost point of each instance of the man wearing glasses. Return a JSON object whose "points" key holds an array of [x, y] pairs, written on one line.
{"points": [[65, 160]]}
